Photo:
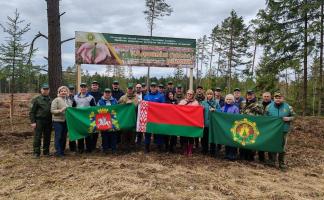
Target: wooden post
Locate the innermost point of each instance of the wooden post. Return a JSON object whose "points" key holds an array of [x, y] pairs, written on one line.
{"points": [[78, 73], [191, 78]]}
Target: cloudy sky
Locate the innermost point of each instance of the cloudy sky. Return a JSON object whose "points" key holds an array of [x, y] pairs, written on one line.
{"points": [[190, 19]]}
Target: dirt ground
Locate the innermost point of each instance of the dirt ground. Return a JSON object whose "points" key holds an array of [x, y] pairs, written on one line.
{"points": [[159, 176]]}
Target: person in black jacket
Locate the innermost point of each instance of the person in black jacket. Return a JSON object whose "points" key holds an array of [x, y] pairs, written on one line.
{"points": [[170, 141], [116, 92]]}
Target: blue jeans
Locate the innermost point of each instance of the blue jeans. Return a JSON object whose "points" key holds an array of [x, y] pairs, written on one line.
{"points": [[60, 129], [109, 140]]}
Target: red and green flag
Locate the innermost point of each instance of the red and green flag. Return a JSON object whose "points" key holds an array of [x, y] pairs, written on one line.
{"points": [[169, 119], [262, 133], [85, 121]]}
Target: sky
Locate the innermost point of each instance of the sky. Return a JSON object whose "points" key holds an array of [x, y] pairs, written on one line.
{"points": [[190, 19]]}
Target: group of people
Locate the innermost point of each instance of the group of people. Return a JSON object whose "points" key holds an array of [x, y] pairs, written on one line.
{"points": [[46, 113]]}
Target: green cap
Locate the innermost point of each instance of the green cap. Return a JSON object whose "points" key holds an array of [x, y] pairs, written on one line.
{"points": [[237, 89], [130, 85], [45, 86], [179, 86], [95, 82], [218, 89], [161, 85], [115, 82], [107, 90], [250, 92], [170, 83], [71, 87], [153, 83], [143, 84], [277, 94]]}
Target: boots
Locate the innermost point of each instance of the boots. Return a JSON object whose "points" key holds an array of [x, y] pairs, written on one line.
{"points": [[281, 159], [272, 159], [147, 148], [190, 147], [185, 149]]}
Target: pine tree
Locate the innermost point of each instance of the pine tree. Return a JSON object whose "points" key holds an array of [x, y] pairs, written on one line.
{"points": [[235, 44], [14, 53]]}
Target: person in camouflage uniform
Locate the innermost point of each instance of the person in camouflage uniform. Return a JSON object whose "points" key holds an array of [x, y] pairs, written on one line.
{"points": [[41, 121], [279, 108], [249, 107], [179, 93], [128, 137]]}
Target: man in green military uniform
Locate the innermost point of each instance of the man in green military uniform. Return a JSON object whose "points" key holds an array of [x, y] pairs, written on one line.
{"points": [[249, 107], [41, 121], [179, 93], [279, 108]]}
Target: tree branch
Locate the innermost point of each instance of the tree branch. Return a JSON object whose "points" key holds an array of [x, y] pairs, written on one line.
{"points": [[67, 40], [31, 49]]}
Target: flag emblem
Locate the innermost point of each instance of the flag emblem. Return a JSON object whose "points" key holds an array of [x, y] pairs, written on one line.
{"points": [[103, 120], [244, 132]]}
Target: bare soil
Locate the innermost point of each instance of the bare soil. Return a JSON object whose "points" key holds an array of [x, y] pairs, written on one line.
{"points": [[136, 175]]}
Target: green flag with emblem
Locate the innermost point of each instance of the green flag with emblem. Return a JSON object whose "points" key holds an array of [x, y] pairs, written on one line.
{"points": [[83, 122], [261, 133]]}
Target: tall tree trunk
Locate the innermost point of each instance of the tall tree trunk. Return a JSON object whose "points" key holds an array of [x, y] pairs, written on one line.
{"points": [[230, 59], [210, 63], [202, 59], [254, 55], [320, 88], [151, 34], [54, 46], [305, 63]]}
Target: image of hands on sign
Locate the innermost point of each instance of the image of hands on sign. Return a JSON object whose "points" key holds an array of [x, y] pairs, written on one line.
{"points": [[93, 53]]}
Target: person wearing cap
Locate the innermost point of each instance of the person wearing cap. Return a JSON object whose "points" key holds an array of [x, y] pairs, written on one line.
{"points": [[95, 92], [161, 89], [72, 91], [153, 96], [144, 89], [72, 144], [179, 93], [128, 137], [266, 100], [188, 142], [116, 92], [109, 139], [238, 99], [84, 99], [200, 94], [210, 105], [218, 96], [170, 87], [41, 121], [58, 107], [249, 107], [279, 108]]}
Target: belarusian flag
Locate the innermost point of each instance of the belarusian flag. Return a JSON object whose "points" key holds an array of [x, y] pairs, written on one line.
{"points": [[169, 119], [82, 122], [261, 133]]}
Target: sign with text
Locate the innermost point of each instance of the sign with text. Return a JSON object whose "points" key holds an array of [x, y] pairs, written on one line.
{"points": [[133, 50]]}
